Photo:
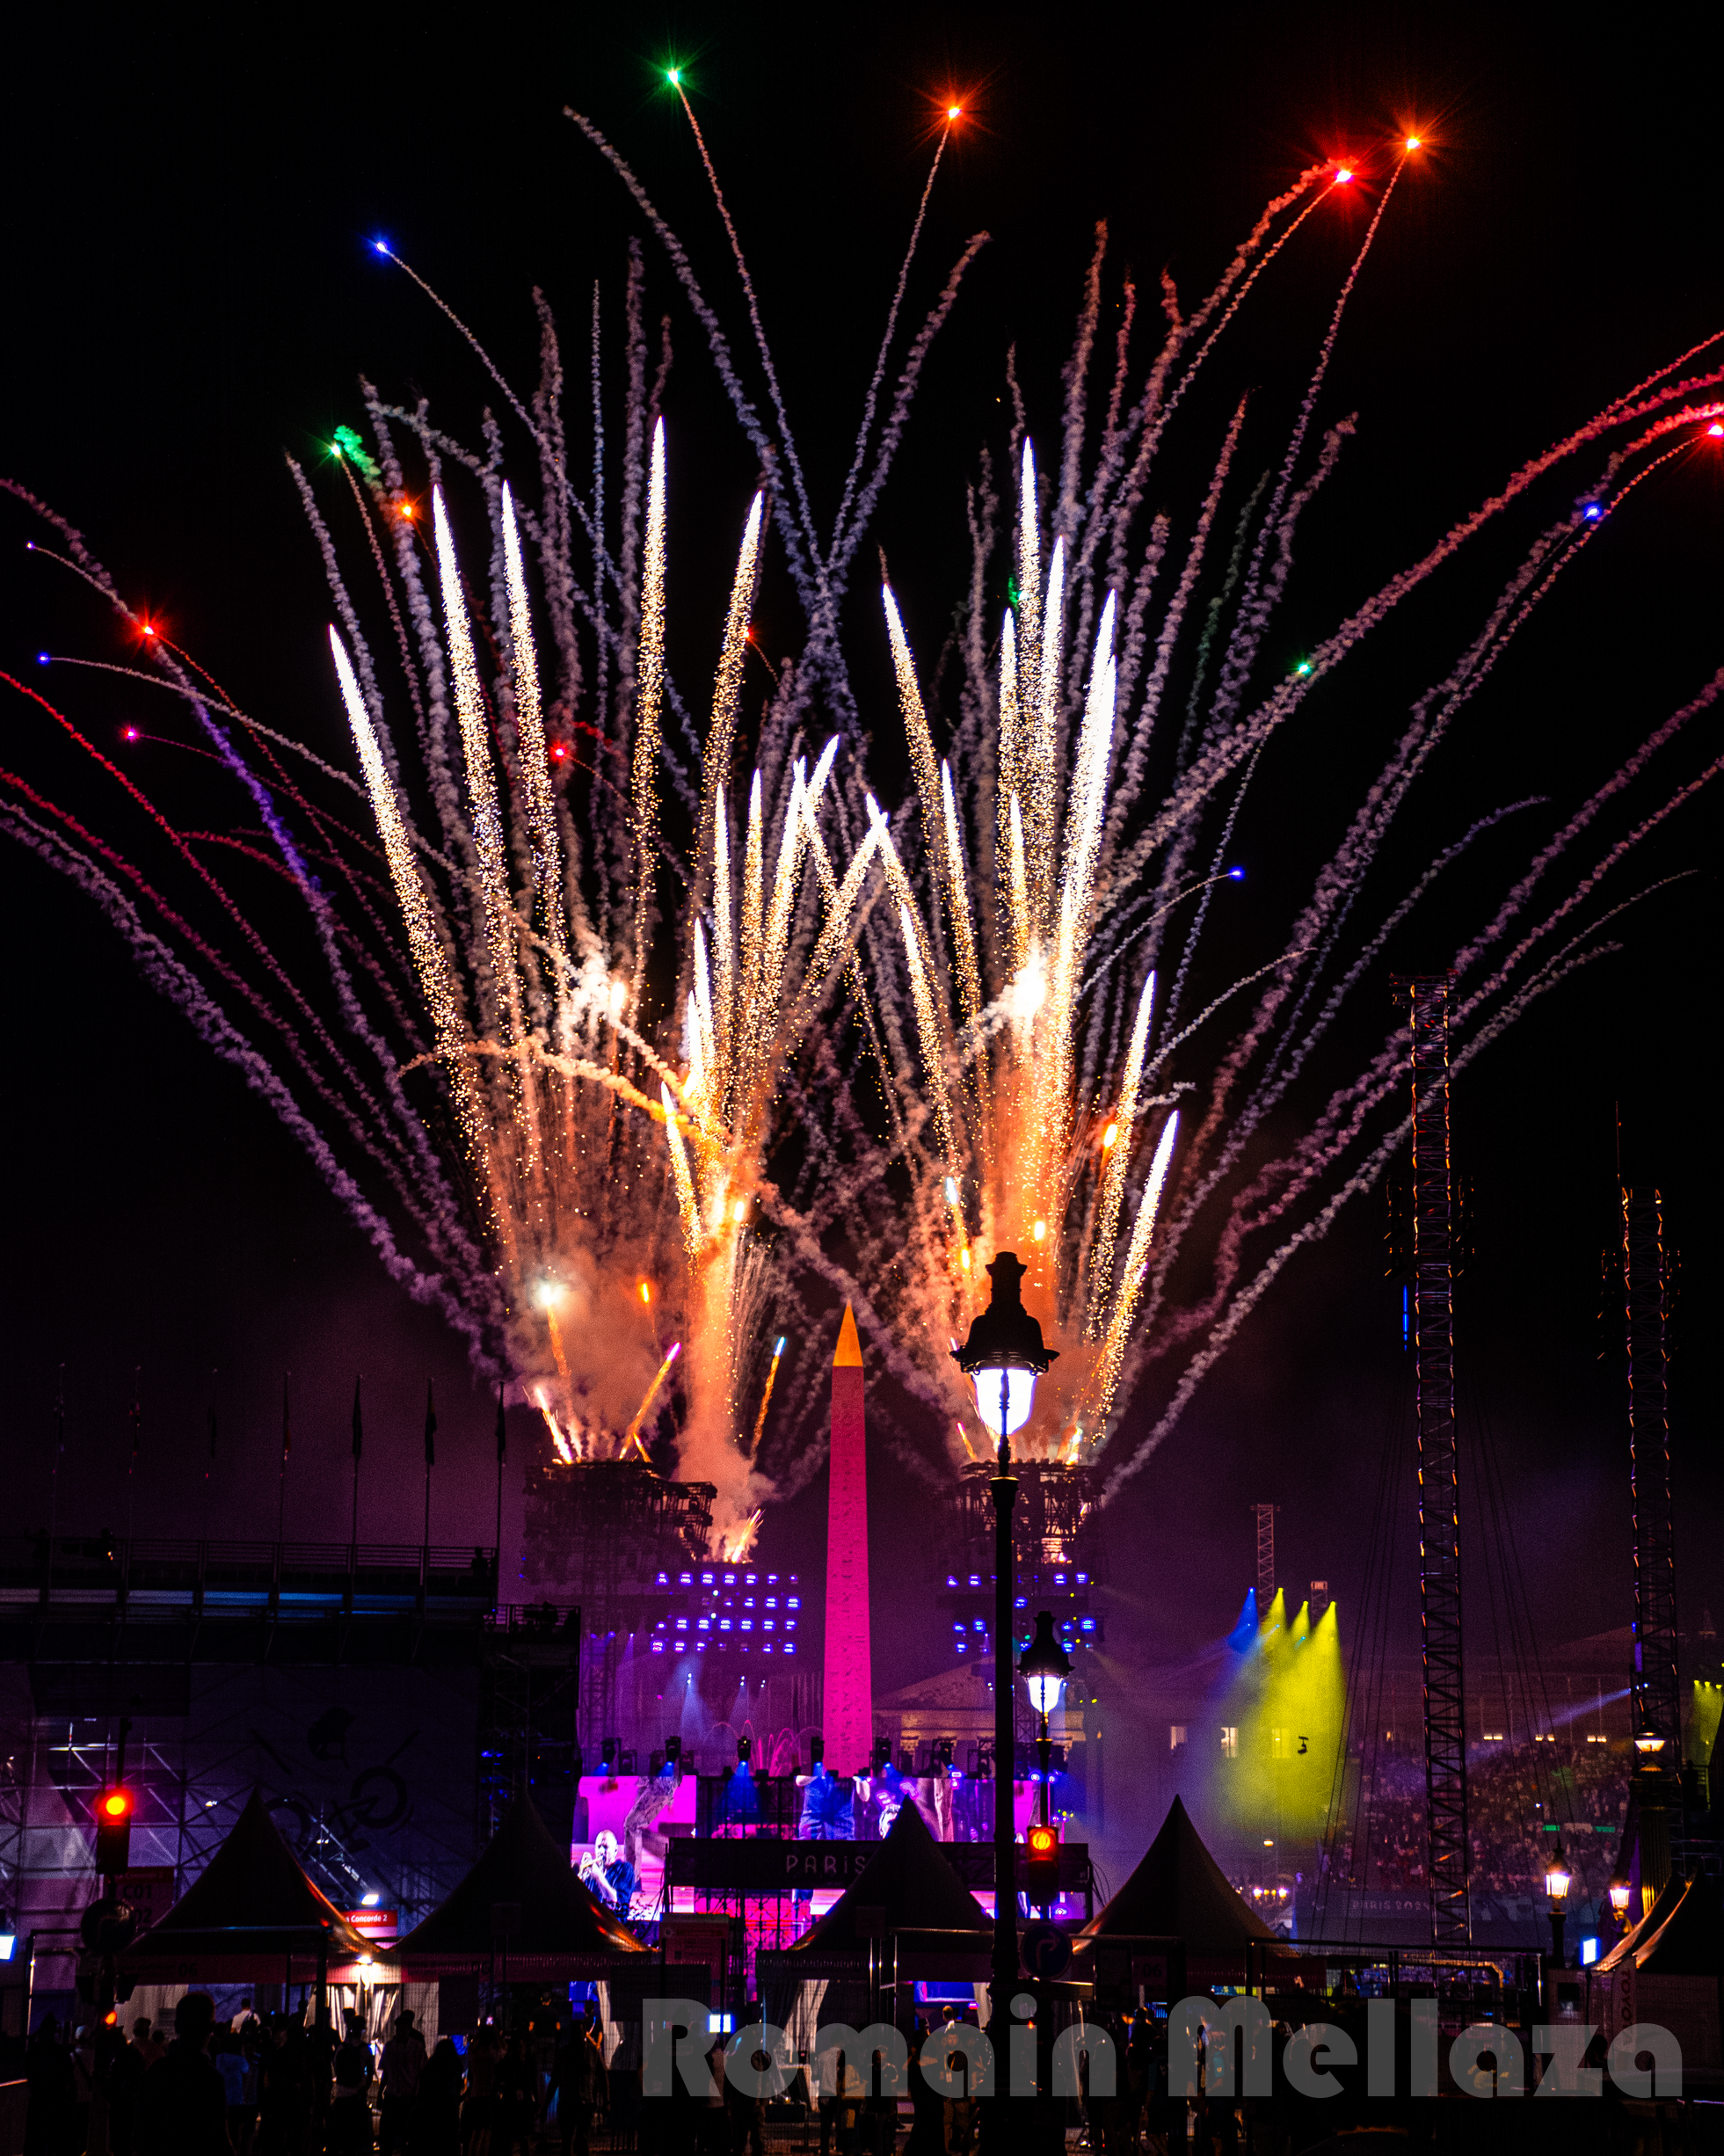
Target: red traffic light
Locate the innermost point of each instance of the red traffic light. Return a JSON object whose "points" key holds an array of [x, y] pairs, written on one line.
{"points": [[115, 1807], [1042, 1842]]}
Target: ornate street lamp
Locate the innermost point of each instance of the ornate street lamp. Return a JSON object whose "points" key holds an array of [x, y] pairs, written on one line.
{"points": [[1557, 1879], [1043, 1668], [1003, 1356]]}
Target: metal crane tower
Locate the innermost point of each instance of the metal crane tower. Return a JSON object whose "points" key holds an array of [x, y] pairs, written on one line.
{"points": [[1657, 1700], [1434, 1253]]}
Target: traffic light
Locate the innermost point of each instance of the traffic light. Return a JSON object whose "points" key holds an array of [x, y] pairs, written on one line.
{"points": [[114, 1808], [1042, 1868]]}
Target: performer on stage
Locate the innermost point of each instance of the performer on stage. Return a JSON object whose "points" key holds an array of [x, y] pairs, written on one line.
{"points": [[607, 1876]]}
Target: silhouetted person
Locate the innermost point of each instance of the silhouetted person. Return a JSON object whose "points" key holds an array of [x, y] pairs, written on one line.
{"points": [[51, 2123], [321, 2046], [516, 2099], [437, 2114], [125, 2085], [928, 2111], [404, 2065], [484, 2057], [578, 2079], [183, 2108], [879, 2119], [349, 2128], [284, 2100]]}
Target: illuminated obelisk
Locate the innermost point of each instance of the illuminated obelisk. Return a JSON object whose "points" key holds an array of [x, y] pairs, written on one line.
{"points": [[848, 1714]]}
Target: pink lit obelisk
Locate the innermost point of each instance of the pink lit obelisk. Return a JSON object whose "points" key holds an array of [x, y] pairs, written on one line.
{"points": [[849, 1677]]}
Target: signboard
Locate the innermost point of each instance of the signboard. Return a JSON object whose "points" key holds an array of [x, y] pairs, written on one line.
{"points": [[149, 1888], [1044, 1949], [376, 1924], [762, 1865]]}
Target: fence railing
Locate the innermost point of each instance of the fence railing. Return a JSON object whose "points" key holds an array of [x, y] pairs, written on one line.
{"points": [[86, 1570]]}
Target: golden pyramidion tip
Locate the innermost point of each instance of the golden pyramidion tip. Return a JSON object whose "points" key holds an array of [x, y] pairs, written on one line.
{"points": [[849, 1355]]}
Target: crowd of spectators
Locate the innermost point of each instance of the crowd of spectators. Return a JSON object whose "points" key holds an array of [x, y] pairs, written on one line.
{"points": [[273, 2086], [1515, 1800]]}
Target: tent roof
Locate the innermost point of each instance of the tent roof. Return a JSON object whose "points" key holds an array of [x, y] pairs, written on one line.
{"points": [[1178, 1890], [1681, 1935], [253, 1896], [910, 1881], [523, 1866]]}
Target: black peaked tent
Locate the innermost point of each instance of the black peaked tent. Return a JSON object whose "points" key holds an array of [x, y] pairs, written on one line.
{"points": [[1681, 1935], [909, 1882], [521, 1906], [251, 1914], [1179, 1891]]}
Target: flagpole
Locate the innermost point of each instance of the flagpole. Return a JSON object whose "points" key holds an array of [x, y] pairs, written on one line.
{"points": [[359, 1446], [132, 1472], [502, 1448], [53, 1473], [286, 1445], [430, 1462], [210, 1465]]}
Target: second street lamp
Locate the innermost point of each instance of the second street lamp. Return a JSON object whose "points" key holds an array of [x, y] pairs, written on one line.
{"points": [[1044, 1669], [1557, 1878], [1003, 1356]]}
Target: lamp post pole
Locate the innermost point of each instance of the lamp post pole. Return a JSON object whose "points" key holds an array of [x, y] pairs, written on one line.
{"points": [[1557, 1879], [1005, 1488], [1003, 1356]]}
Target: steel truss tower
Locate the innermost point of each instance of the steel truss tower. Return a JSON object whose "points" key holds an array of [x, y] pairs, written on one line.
{"points": [[1448, 1858], [1656, 1698], [1265, 1518]]}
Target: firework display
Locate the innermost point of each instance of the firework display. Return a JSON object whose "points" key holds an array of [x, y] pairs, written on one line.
{"points": [[634, 1040]]}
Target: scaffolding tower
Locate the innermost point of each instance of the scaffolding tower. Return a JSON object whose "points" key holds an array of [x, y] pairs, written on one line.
{"points": [[616, 1539], [1058, 1553], [1448, 1860], [1265, 1518], [1645, 1281]]}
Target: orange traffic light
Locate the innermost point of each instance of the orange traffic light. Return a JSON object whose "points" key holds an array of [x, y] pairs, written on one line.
{"points": [[1041, 1870]]}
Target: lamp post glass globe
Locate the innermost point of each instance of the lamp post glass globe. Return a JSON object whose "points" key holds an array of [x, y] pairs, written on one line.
{"points": [[1557, 1878], [1004, 1397], [1043, 1666]]}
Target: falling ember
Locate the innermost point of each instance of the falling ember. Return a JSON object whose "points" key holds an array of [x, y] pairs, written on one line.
{"points": [[632, 1434], [565, 1443], [646, 1292], [738, 1544], [766, 1398]]}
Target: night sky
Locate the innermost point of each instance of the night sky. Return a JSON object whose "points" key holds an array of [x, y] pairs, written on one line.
{"points": [[191, 293]]}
